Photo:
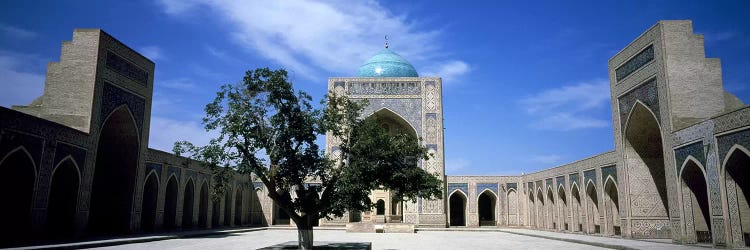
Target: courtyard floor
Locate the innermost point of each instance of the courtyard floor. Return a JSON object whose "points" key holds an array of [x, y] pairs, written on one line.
{"points": [[494, 238]]}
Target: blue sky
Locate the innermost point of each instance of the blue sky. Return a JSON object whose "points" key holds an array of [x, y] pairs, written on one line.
{"points": [[525, 83]]}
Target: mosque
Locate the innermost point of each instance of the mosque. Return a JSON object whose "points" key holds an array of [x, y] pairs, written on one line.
{"points": [[76, 162]]}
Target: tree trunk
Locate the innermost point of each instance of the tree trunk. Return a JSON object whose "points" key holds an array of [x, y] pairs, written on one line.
{"points": [[305, 233]]}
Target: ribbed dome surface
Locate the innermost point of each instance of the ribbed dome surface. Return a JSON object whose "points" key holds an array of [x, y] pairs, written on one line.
{"points": [[387, 64]]}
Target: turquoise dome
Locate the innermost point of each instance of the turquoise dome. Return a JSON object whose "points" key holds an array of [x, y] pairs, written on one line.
{"points": [[386, 64]]}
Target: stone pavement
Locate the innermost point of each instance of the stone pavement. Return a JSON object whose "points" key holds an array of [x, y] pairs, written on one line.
{"points": [[434, 238]]}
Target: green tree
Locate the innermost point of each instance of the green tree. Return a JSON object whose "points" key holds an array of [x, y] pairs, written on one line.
{"points": [[268, 131]]}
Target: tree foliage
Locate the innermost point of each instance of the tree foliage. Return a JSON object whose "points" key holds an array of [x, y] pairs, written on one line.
{"points": [[267, 130]]}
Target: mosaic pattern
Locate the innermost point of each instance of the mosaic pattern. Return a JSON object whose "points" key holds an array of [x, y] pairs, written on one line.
{"points": [[589, 176], [127, 69], [695, 150], [10, 140], [512, 185], [173, 170], [549, 183], [726, 142], [560, 180], [635, 63], [574, 179], [114, 97], [409, 109], [464, 187], [609, 171], [491, 186], [647, 93], [152, 166], [78, 154], [384, 88]]}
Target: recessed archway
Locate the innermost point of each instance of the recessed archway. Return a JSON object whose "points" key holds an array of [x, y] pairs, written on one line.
{"points": [[486, 208], [187, 205], [512, 207], [612, 206], [114, 174], [216, 214], [576, 210], [644, 159], [532, 209], [238, 207], [540, 213], [551, 216], [592, 208], [63, 200], [695, 202], [380, 207], [228, 207], [148, 208], [737, 170], [17, 190], [203, 206], [170, 204], [562, 207], [457, 209]]}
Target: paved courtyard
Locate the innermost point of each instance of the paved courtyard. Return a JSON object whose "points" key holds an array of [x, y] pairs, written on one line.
{"points": [[422, 240]]}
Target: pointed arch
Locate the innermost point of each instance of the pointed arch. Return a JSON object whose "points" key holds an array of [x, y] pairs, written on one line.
{"points": [[737, 188], [486, 202], [188, 197], [63, 199], [238, 207], [512, 207], [17, 189], [695, 201], [576, 210], [150, 198], [203, 205], [612, 206], [592, 208], [457, 208], [115, 172], [396, 117], [170, 202], [562, 206]]}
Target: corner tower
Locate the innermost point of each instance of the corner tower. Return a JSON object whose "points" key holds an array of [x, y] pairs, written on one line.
{"points": [[394, 89]]}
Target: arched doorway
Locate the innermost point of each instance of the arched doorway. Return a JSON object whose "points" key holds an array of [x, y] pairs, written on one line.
{"points": [[203, 206], [63, 200], [612, 206], [644, 159], [562, 207], [532, 209], [170, 204], [512, 209], [282, 217], [380, 207], [551, 216], [17, 190], [540, 213], [114, 174], [148, 208], [457, 209], [592, 208], [187, 205], [228, 208], [576, 210], [486, 208], [737, 167], [695, 202], [238, 207]]}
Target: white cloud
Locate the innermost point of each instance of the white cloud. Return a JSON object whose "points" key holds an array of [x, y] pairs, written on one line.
{"points": [[152, 52], [177, 84], [165, 132], [19, 87], [569, 107], [16, 32], [309, 36], [450, 70], [719, 36], [453, 165]]}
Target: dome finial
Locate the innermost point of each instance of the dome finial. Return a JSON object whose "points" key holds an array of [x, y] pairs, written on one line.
{"points": [[386, 42]]}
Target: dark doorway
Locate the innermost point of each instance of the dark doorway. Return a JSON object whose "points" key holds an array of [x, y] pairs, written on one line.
{"points": [[457, 203], [114, 174], [238, 208], [63, 199], [170, 204], [486, 207], [228, 208], [737, 169], [17, 190], [203, 207], [187, 205], [216, 215], [150, 194], [380, 207], [694, 182]]}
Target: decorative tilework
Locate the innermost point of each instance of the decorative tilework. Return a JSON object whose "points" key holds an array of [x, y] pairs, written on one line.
{"points": [[258, 185], [78, 154], [726, 142], [153, 166], [491, 186], [384, 88], [647, 93], [464, 187], [409, 109], [512, 185], [574, 179], [695, 150], [114, 97], [560, 180], [127, 69], [173, 170], [635, 63], [589, 175], [549, 184], [609, 171], [10, 140]]}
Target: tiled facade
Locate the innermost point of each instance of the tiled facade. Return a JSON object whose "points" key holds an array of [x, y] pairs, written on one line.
{"points": [[678, 170]]}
